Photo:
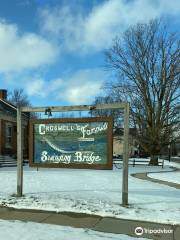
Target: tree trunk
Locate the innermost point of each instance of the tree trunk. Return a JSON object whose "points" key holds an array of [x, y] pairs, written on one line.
{"points": [[153, 160]]}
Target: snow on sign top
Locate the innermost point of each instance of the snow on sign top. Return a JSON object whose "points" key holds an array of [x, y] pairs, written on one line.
{"points": [[71, 143]]}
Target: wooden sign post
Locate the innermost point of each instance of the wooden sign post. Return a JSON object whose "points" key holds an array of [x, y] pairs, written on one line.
{"points": [[123, 105], [19, 154]]}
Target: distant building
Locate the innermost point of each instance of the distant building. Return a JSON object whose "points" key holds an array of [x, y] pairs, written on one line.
{"points": [[8, 128], [118, 141]]}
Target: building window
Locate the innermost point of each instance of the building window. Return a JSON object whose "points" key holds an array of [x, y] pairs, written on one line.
{"points": [[8, 135]]}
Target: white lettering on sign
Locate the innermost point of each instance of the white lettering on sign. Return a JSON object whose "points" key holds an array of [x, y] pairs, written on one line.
{"points": [[88, 157], [79, 157], [55, 158], [93, 130], [42, 129], [85, 130]]}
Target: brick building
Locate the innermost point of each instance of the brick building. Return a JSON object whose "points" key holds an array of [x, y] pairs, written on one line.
{"points": [[8, 128]]}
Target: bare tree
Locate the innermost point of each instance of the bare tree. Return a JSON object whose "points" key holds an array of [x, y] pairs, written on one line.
{"points": [[18, 97], [116, 114], [147, 63]]}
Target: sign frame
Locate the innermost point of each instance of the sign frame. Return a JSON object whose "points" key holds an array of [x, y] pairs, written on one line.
{"points": [[107, 166], [125, 106]]}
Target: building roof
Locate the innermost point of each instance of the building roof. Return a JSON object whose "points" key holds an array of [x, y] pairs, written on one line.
{"points": [[7, 104], [9, 108]]}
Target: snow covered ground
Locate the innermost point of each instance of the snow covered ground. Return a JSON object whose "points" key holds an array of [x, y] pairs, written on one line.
{"points": [[173, 177], [28, 230], [172, 164], [92, 191], [169, 176]]}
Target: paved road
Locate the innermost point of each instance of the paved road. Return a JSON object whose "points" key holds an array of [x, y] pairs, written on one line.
{"points": [[144, 176], [94, 222]]}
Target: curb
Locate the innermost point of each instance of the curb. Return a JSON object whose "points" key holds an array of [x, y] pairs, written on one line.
{"points": [[93, 222]]}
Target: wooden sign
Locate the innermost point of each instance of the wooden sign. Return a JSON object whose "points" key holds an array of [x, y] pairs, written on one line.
{"points": [[71, 143]]}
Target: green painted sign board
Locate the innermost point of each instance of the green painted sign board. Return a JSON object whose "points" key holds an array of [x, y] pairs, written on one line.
{"points": [[71, 143]]}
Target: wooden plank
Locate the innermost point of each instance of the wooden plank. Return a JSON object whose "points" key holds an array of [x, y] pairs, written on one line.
{"points": [[125, 157], [10, 118], [7, 117], [75, 108], [19, 154]]}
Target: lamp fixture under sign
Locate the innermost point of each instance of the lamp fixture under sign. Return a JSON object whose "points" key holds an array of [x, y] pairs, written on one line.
{"points": [[48, 112]]}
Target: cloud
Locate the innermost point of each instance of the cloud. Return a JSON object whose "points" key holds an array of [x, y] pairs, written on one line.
{"points": [[78, 88], [42, 88], [94, 31], [22, 51], [83, 86], [37, 87]]}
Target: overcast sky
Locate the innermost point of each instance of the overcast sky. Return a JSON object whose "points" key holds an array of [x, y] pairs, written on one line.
{"points": [[53, 49]]}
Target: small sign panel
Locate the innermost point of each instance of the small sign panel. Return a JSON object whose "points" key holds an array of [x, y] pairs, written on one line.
{"points": [[71, 143]]}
